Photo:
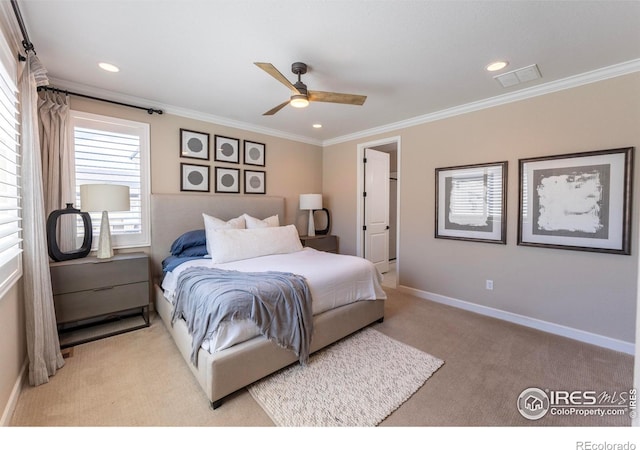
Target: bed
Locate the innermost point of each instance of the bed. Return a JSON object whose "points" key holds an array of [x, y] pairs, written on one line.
{"points": [[224, 366]]}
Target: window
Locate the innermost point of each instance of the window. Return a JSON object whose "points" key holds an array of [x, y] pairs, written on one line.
{"points": [[10, 220], [114, 151]]}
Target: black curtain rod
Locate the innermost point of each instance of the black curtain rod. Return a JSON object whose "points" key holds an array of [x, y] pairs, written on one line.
{"points": [[26, 43], [65, 92], [28, 46]]}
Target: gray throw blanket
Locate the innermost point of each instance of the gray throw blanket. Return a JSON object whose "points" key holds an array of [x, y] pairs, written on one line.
{"points": [[278, 303]]}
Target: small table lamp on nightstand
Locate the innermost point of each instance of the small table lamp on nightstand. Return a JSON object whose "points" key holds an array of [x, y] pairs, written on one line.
{"points": [[105, 198], [311, 202]]}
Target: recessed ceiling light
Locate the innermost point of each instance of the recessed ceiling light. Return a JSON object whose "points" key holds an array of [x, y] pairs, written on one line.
{"points": [[317, 125], [108, 67], [497, 65]]}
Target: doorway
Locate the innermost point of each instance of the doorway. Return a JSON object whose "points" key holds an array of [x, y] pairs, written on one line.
{"points": [[391, 146]]}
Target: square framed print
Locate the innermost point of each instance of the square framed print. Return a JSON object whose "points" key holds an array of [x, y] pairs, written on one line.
{"points": [[255, 182], [578, 201], [194, 144], [254, 153], [194, 177], [471, 203], [227, 149], [227, 180]]}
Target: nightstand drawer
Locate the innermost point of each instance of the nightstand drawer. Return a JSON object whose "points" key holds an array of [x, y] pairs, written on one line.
{"points": [[325, 243], [69, 277], [97, 302]]}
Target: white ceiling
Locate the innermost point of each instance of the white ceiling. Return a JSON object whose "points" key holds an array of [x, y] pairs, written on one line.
{"points": [[410, 58]]}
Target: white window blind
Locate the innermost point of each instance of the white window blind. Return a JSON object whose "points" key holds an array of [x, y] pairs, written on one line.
{"points": [[114, 151], [10, 220]]}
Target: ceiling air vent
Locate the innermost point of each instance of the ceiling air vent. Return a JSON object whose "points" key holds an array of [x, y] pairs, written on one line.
{"points": [[518, 76]]}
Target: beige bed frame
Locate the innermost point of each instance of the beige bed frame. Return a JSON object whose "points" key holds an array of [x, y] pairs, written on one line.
{"points": [[227, 371]]}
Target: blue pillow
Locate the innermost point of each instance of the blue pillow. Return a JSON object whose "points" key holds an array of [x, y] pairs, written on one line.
{"points": [[194, 238], [198, 250]]}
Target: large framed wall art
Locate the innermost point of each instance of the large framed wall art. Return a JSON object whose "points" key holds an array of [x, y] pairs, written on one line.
{"points": [[471, 202], [578, 201]]}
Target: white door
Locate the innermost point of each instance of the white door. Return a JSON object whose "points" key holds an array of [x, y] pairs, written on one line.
{"points": [[376, 208]]}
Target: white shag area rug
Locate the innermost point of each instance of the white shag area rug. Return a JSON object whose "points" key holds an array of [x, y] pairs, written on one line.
{"points": [[356, 382]]}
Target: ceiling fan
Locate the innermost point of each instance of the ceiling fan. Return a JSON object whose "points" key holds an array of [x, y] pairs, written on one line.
{"points": [[300, 95]]}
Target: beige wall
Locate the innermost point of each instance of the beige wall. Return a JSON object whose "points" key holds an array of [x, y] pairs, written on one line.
{"points": [[292, 168], [592, 292]]}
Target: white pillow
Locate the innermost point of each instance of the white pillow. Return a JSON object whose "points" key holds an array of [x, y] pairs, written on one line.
{"points": [[213, 223], [252, 222], [226, 245]]}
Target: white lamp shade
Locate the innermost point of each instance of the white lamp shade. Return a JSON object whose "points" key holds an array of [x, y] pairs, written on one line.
{"points": [[311, 201], [104, 197]]}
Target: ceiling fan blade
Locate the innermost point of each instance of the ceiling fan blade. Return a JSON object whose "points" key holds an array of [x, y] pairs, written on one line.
{"points": [[272, 111], [334, 97], [271, 70]]}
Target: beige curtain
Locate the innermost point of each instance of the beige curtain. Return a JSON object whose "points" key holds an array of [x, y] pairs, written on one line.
{"points": [[43, 346], [57, 163]]}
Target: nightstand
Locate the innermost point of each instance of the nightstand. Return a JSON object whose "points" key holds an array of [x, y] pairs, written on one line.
{"points": [[96, 298], [324, 242]]}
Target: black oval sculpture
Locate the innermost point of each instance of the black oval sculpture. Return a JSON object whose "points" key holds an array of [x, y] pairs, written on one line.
{"points": [[326, 229], [52, 232]]}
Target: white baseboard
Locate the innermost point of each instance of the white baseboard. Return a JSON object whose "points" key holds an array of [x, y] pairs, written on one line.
{"points": [[549, 327], [10, 407]]}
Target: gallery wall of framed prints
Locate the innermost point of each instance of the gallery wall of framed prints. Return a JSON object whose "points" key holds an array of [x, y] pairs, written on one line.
{"points": [[227, 174]]}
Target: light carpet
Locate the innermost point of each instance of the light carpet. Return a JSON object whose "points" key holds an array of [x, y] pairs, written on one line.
{"points": [[358, 381]]}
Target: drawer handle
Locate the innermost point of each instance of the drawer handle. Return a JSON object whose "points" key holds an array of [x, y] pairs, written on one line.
{"points": [[103, 288]]}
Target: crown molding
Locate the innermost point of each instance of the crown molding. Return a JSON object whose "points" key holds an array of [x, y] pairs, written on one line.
{"points": [[178, 111], [523, 94], [535, 91]]}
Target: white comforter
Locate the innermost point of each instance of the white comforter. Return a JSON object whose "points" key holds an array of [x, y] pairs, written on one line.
{"points": [[334, 280]]}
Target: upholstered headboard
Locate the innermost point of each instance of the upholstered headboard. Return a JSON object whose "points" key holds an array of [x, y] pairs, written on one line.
{"points": [[174, 214]]}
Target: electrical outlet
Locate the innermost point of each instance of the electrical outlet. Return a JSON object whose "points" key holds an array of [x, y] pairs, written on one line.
{"points": [[489, 285]]}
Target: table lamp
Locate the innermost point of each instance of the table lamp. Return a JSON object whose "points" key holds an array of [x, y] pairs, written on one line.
{"points": [[311, 202], [106, 198]]}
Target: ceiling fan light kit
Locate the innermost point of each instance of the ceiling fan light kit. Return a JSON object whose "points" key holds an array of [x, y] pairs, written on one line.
{"points": [[299, 101], [300, 95]]}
